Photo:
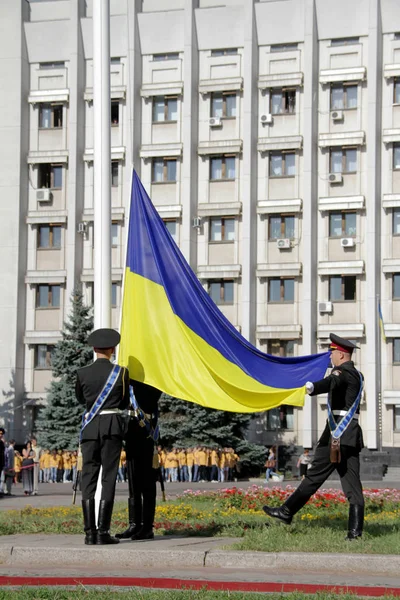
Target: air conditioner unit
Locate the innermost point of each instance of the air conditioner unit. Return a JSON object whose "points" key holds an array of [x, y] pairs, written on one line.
{"points": [[325, 307], [347, 242], [337, 115], [214, 121], [82, 227], [268, 119], [196, 222], [335, 178], [283, 243], [43, 195]]}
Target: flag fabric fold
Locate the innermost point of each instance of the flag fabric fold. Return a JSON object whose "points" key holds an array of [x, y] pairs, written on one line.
{"points": [[174, 337]]}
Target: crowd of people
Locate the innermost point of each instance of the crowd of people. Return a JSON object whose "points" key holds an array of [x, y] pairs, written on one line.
{"points": [[200, 463]]}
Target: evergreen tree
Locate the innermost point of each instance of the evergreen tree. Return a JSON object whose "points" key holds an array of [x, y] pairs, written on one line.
{"points": [[184, 424], [58, 422]]}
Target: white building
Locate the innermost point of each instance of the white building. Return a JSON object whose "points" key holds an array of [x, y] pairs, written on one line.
{"points": [[268, 136]]}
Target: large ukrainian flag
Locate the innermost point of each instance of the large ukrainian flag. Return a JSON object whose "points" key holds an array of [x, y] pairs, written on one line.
{"points": [[174, 337]]}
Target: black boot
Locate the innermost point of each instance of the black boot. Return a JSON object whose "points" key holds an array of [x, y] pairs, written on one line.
{"points": [[282, 513], [89, 522], [103, 533], [356, 521], [149, 509], [135, 520]]}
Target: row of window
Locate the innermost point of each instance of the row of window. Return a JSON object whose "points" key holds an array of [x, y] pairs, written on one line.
{"points": [[223, 105], [49, 296]]}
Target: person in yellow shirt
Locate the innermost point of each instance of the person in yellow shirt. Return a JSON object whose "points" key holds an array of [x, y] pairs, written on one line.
{"points": [[171, 464], [41, 467], [60, 466], [17, 466], [190, 462], [214, 458], [161, 461], [67, 465], [183, 470], [53, 466], [222, 464], [122, 460], [203, 461], [45, 458], [74, 462]]}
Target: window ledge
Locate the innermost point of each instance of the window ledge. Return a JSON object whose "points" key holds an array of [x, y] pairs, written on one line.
{"points": [[341, 203], [46, 96], [219, 209], [220, 147], [117, 153], [47, 156], [42, 337], [392, 330], [349, 267], [38, 217], [50, 277], [265, 207], [279, 270], [161, 89], [392, 70], [391, 201], [391, 397], [391, 135], [345, 330], [161, 150], [280, 80], [222, 84], [219, 271], [345, 138], [287, 142], [327, 76], [282, 332]]}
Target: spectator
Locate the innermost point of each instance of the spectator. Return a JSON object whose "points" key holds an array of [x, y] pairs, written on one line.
{"points": [[53, 466], [36, 459], [9, 469], [270, 464], [304, 462], [28, 465]]}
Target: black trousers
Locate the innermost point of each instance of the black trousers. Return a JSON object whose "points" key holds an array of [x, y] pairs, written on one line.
{"points": [[141, 475], [318, 473], [104, 452]]}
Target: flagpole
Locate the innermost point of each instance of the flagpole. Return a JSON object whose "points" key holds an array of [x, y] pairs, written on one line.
{"points": [[101, 173]]}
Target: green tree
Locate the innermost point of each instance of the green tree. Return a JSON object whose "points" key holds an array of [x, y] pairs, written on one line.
{"points": [[58, 423], [184, 424]]}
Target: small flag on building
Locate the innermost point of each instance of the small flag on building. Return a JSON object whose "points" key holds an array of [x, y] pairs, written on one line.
{"points": [[381, 323]]}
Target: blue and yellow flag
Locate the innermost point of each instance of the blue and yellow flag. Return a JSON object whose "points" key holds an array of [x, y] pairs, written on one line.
{"points": [[174, 337], [381, 323]]}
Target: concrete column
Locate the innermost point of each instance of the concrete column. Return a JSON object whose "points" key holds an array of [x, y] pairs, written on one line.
{"points": [[14, 135], [310, 207], [190, 111], [372, 233], [249, 173]]}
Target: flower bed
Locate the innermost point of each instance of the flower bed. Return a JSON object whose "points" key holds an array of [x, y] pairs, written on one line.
{"points": [[231, 511]]}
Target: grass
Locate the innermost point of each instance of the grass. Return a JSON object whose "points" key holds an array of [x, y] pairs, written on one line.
{"points": [[136, 594]]}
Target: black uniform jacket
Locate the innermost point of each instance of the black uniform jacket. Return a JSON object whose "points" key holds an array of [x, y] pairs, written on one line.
{"points": [[343, 385], [147, 397], [90, 381]]}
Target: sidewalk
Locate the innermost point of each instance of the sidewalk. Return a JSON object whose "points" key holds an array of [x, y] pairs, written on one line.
{"points": [[172, 561]]}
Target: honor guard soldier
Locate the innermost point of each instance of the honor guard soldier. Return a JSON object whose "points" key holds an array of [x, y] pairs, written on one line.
{"points": [[341, 442], [104, 389], [140, 454]]}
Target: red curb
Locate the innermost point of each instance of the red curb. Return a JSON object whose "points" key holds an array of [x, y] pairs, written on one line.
{"points": [[194, 584]]}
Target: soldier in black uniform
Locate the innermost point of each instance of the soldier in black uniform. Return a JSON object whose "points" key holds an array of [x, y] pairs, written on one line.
{"points": [[141, 473], [343, 385], [101, 441]]}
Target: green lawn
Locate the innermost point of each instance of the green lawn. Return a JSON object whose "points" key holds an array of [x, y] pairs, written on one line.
{"points": [[136, 594]]}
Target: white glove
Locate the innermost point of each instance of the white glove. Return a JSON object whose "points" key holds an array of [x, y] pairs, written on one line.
{"points": [[309, 387]]}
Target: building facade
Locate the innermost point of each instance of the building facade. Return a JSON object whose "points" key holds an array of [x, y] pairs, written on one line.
{"points": [[268, 137]]}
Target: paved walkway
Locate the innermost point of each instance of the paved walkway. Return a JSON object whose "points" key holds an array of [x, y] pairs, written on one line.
{"points": [[60, 494], [172, 561]]}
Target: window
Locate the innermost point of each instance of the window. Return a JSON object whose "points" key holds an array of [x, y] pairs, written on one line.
{"points": [[342, 224], [284, 47], [396, 156], [396, 91], [43, 356], [114, 173], [343, 97], [168, 56], [222, 230], [50, 116], [114, 288], [52, 65], [48, 296], [396, 36], [342, 288], [221, 291], [281, 290], [163, 170], [396, 350], [50, 176], [282, 164], [283, 101], [224, 52], [49, 236], [115, 60], [280, 418], [343, 160], [396, 419], [281, 347], [172, 227], [345, 41], [115, 113], [222, 167], [396, 221], [281, 226], [396, 286], [165, 109], [114, 234], [223, 106]]}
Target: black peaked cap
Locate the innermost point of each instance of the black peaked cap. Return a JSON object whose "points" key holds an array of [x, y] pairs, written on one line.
{"points": [[104, 338], [338, 341]]}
